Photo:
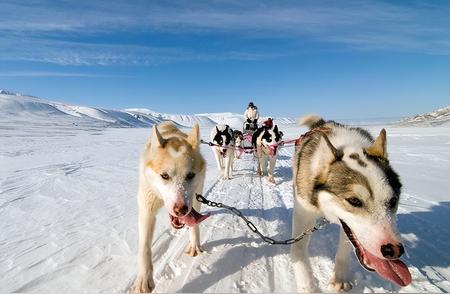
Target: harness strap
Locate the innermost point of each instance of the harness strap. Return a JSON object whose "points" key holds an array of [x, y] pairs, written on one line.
{"points": [[244, 149]]}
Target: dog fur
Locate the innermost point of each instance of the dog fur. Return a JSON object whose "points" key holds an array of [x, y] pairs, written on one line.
{"points": [[342, 173], [171, 171], [264, 139], [238, 137], [224, 153]]}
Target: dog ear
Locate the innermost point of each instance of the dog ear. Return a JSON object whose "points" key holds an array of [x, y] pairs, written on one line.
{"points": [[275, 129], [157, 139], [378, 148], [325, 154], [194, 136]]}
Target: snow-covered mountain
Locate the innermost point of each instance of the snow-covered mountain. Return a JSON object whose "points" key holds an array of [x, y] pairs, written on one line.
{"points": [[28, 109], [434, 118], [24, 108]]}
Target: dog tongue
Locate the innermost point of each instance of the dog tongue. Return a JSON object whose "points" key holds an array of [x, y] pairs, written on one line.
{"points": [[193, 218], [392, 270]]}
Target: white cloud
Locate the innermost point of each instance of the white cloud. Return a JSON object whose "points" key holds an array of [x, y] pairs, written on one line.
{"points": [[56, 74], [87, 54], [356, 25]]}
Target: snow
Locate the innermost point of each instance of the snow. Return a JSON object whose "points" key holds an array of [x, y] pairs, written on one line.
{"points": [[437, 117], [68, 212]]}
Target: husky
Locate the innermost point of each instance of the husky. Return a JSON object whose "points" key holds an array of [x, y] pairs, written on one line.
{"points": [[265, 141], [238, 137], [343, 174], [171, 172], [222, 138]]}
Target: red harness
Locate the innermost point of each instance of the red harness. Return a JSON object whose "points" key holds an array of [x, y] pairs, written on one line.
{"points": [[272, 149]]}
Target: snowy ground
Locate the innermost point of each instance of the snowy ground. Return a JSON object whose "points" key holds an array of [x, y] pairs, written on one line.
{"points": [[68, 219]]}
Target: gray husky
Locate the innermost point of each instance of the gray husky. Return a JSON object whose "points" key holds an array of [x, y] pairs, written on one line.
{"points": [[343, 174]]}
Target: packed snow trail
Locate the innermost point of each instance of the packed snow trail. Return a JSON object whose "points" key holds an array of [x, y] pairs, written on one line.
{"points": [[68, 217]]}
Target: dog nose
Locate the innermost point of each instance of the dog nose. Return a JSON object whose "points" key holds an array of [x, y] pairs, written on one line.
{"points": [[180, 210], [390, 251]]}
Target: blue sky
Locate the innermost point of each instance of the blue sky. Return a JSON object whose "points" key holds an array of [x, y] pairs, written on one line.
{"points": [[341, 59]]}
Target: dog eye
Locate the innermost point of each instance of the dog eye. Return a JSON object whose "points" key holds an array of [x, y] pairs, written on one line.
{"points": [[354, 202], [190, 176], [165, 176], [393, 202]]}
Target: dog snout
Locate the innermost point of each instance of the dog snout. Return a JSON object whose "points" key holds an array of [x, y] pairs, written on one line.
{"points": [[391, 251], [181, 210]]}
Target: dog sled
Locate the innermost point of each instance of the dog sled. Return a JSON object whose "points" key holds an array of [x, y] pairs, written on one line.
{"points": [[248, 129]]}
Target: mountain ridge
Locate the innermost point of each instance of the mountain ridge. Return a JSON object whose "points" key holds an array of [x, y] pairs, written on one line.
{"points": [[19, 107]]}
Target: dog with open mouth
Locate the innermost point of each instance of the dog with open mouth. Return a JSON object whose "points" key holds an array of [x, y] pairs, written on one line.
{"points": [[265, 141], [343, 174], [171, 172], [223, 149]]}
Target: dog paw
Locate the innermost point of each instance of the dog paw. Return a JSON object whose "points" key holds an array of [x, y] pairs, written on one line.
{"points": [[193, 250], [271, 179], [339, 286], [144, 283], [259, 173]]}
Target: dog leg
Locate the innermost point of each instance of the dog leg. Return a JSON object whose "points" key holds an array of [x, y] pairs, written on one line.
{"points": [[144, 281], [231, 162], [218, 158], [264, 163], [272, 161], [339, 281], [258, 164], [301, 221], [222, 166], [228, 163], [194, 248]]}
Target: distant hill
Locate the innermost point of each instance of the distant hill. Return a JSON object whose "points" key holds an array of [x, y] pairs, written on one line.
{"points": [[435, 118], [26, 109]]}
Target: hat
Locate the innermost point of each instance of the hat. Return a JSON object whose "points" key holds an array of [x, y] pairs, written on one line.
{"points": [[268, 123]]}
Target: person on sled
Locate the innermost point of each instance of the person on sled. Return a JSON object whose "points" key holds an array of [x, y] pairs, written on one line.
{"points": [[251, 115]]}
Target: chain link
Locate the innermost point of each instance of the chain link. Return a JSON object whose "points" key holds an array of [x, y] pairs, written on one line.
{"points": [[319, 225]]}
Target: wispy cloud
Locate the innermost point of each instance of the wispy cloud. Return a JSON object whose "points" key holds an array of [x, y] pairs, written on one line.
{"points": [[87, 54], [37, 30], [57, 74]]}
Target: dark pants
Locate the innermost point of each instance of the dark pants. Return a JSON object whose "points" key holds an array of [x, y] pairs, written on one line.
{"points": [[251, 124]]}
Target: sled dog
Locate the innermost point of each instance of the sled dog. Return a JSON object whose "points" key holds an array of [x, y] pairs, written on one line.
{"points": [[238, 137], [265, 142], [222, 137], [171, 171], [343, 174]]}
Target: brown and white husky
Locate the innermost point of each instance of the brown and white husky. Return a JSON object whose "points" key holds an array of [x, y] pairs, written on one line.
{"points": [[171, 171], [343, 174]]}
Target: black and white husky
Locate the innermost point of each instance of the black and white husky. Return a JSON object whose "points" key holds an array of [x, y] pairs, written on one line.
{"points": [[238, 137], [265, 142], [223, 149], [343, 174]]}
